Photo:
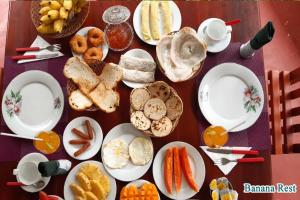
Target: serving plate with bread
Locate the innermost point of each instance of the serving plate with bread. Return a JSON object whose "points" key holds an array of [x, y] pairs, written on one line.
{"points": [[91, 89], [155, 109]]}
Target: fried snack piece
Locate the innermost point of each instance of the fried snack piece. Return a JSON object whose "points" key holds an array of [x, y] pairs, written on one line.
{"points": [[91, 196], [84, 181], [98, 190], [77, 190]]}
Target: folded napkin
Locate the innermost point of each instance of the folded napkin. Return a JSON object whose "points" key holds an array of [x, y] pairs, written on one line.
{"points": [[264, 36], [39, 42], [226, 169]]}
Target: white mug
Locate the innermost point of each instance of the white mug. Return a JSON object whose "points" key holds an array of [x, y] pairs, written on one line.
{"points": [[216, 29], [27, 173]]}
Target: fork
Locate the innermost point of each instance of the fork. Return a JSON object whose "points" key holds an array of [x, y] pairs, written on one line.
{"points": [[53, 47], [225, 161]]}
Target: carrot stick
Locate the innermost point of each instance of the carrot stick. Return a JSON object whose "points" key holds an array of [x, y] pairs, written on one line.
{"points": [[168, 170], [89, 129], [187, 169], [177, 169]]}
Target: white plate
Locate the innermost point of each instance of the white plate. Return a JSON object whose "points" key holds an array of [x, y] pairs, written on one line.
{"points": [[36, 104], [139, 183], [127, 133], [223, 100], [176, 19], [68, 194], [213, 46], [80, 125], [59, 198], [197, 167], [139, 53], [84, 32], [34, 157]]}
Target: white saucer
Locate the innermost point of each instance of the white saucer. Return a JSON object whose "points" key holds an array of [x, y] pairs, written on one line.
{"points": [[104, 46], [80, 125], [34, 157], [213, 46], [139, 53]]}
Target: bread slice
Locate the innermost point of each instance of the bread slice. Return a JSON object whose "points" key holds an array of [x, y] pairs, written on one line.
{"points": [[81, 74], [106, 99], [139, 97], [111, 75], [79, 101]]}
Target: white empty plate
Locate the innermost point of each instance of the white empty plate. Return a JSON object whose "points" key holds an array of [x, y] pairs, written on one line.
{"points": [[71, 178], [96, 142], [139, 53], [176, 19], [213, 46], [197, 167], [127, 133], [230, 94], [32, 102], [104, 46]]}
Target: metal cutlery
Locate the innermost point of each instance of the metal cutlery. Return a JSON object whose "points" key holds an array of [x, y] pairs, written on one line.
{"points": [[225, 161], [233, 151], [38, 184], [43, 56], [53, 47]]}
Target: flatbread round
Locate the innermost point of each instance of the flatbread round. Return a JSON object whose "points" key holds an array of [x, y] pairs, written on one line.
{"points": [[139, 97], [140, 121], [140, 151], [155, 109], [159, 89], [174, 107], [162, 127]]}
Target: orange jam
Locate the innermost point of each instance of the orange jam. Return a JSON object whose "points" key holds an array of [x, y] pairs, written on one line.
{"points": [[215, 136], [119, 36], [50, 143]]}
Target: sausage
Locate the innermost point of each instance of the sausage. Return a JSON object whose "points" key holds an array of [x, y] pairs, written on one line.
{"points": [[78, 141], [80, 134], [82, 149], [89, 129]]}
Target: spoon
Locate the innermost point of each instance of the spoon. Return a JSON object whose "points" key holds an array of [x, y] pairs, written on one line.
{"points": [[37, 185]]}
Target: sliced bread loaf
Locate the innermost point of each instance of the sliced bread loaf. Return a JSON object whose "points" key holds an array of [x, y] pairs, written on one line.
{"points": [[79, 101], [111, 75]]}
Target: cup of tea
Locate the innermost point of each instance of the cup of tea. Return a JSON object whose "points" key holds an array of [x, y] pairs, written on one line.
{"points": [[216, 29], [27, 173]]}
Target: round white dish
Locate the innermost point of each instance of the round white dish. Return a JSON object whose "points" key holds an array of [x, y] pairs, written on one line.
{"points": [[127, 133], [176, 19], [59, 198], [197, 167], [139, 53], [95, 142], [230, 94], [138, 183], [32, 102], [84, 32], [34, 157], [213, 46], [71, 178]]}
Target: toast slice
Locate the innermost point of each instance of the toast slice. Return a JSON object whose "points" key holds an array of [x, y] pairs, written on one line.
{"points": [[106, 99], [111, 75], [79, 101], [81, 74]]}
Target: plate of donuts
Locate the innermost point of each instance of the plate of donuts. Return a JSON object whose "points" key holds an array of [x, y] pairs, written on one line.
{"points": [[89, 44]]}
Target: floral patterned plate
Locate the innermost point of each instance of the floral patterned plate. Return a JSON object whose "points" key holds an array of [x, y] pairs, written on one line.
{"points": [[32, 102], [230, 94]]}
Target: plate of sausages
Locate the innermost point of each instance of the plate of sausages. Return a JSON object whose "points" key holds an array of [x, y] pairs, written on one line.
{"points": [[82, 138]]}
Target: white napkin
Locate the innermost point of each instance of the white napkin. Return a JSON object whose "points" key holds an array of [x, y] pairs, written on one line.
{"points": [[226, 169], [39, 42]]}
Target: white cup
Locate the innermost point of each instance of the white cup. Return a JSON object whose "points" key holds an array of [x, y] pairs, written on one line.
{"points": [[216, 29], [27, 173]]}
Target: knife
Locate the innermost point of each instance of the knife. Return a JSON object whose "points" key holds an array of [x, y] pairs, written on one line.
{"points": [[234, 151], [43, 56]]}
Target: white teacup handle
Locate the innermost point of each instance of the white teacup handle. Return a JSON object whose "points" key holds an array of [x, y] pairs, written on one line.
{"points": [[15, 172], [229, 29]]}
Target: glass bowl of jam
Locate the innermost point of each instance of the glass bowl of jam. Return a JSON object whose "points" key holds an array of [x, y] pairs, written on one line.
{"points": [[118, 32]]}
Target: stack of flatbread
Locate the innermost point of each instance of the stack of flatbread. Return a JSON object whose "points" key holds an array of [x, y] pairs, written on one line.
{"points": [[155, 109], [181, 55], [93, 89], [138, 70]]}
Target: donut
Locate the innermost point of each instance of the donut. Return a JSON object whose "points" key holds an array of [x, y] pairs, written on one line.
{"points": [[95, 37], [78, 44], [93, 54]]}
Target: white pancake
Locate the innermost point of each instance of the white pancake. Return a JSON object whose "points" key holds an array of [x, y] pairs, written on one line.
{"points": [[115, 154], [140, 151]]}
